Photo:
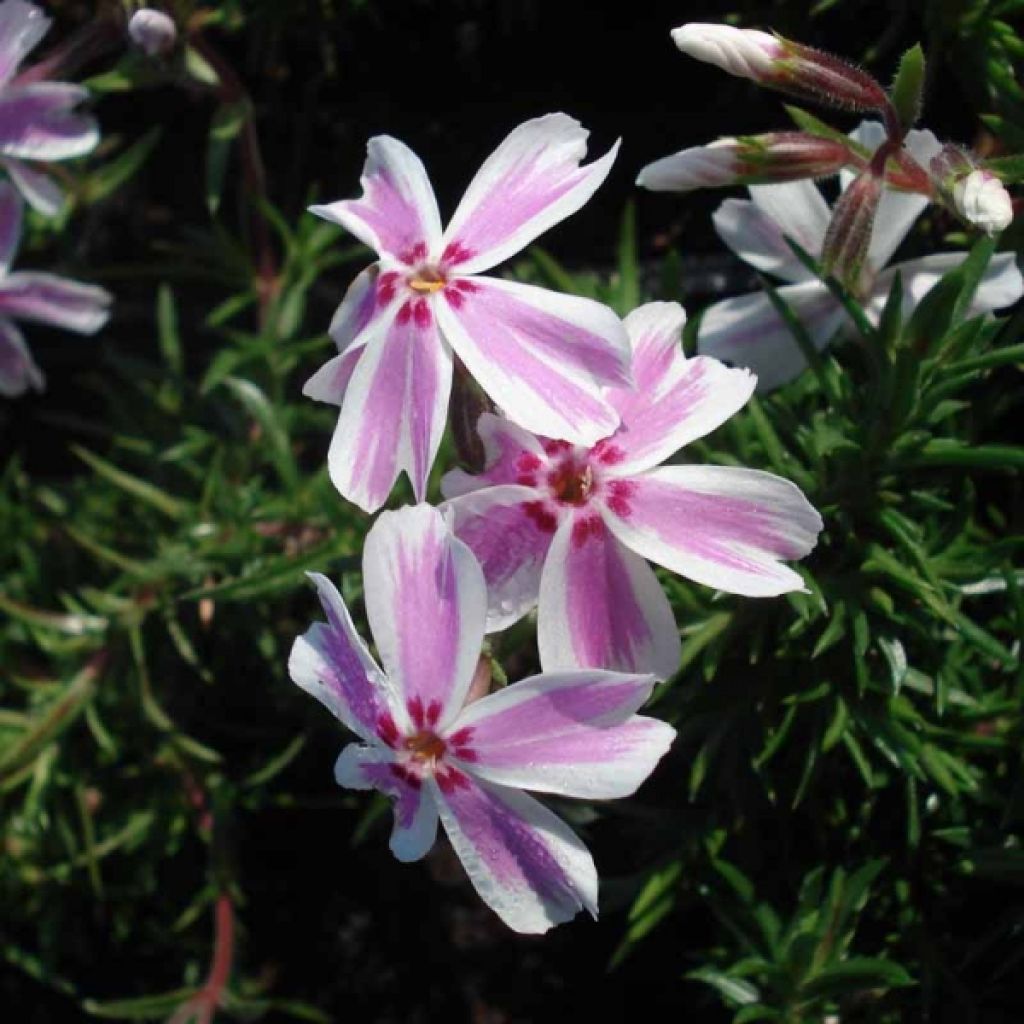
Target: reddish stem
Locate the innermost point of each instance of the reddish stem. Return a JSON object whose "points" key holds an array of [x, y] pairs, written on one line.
{"points": [[203, 1005]]}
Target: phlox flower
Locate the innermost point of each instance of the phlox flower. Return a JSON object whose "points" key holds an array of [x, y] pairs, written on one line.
{"points": [[38, 120], [568, 528], [440, 754], [34, 295], [748, 331], [541, 356]]}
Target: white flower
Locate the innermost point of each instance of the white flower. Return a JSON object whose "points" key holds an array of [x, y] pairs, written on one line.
{"points": [[981, 199]]}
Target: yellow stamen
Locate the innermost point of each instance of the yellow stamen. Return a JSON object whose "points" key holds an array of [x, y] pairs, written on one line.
{"points": [[426, 281]]}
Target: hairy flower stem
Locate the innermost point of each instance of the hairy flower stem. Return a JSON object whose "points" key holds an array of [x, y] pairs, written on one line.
{"points": [[467, 404]]}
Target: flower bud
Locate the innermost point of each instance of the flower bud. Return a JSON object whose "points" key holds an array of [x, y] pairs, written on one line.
{"points": [[782, 64], [981, 199], [848, 237], [747, 160], [153, 32]]}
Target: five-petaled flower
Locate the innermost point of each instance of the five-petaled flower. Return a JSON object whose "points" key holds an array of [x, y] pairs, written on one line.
{"points": [[541, 356], [34, 295], [439, 755], [568, 528], [38, 120], [748, 331]]}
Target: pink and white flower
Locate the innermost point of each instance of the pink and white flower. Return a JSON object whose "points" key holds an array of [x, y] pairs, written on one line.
{"points": [[747, 330], [38, 120], [36, 296], [542, 357], [568, 528], [440, 754]]}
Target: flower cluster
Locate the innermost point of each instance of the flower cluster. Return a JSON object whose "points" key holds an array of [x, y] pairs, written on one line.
{"points": [[39, 123], [572, 501]]}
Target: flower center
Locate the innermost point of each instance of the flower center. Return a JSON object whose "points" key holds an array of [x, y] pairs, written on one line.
{"points": [[427, 280], [572, 483], [425, 746]]}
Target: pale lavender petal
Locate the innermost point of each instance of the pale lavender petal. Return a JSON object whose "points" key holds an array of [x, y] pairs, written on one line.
{"points": [[542, 357], [22, 26], [18, 371], [675, 400], [397, 212], [601, 605], [530, 182], [38, 122], [509, 529], [57, 301], [331, 662], [571, 733], [331, 381], [1000, 286], [757, 229], [10, 225], [426, 602], [724, 527], [41, 192], [415, 812], [512, 456], [359, 308], [747, 331], [394, 408], [526, 864]]}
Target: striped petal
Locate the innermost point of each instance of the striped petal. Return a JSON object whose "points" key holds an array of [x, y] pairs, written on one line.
{"points": [[426, 602], [38, 122], [571, 733], [18, 371], [57, 301], [601, 606], [22, 26], [511, 456], [532, 181], [40, 191], [526, 864], [10, 225], [724, 527]]}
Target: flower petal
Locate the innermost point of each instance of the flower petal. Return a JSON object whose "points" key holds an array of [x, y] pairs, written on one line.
{"points": [[526, 864], [358, 309], [675, 400], [57, 301], [509, 531], [541, 356], [331, 662], [22, 26], [330, 383], [41, 192], [747, 331], [38, 122], [18, 371], [756, 230], [528, 184], [397, 212], [718, 525], [426, 602], [394, 407], [601, 606], [1000, 286], [571, 733], [415, 826], [10, 225]]}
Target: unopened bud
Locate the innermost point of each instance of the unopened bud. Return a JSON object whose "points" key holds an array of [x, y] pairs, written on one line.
{"points": [[848, 237], [981, 199], [747, 160], [782, 64], [153, 32]]}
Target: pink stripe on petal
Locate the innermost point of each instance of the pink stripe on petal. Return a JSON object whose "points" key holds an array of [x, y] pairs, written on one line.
{"points": [[532, 181], [397, 213], [526, 864], [426, 602], [393, 412], [57, 301], [331, 662], [723, 527], [675, 400], [575, 734], [541, 356], [18, 371], [510, 540], [37, 122], [358, 308], [601, 606], [41, 192], [10, 225], [415, 812], [22, 26], [330, 382], [512, 456]]}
